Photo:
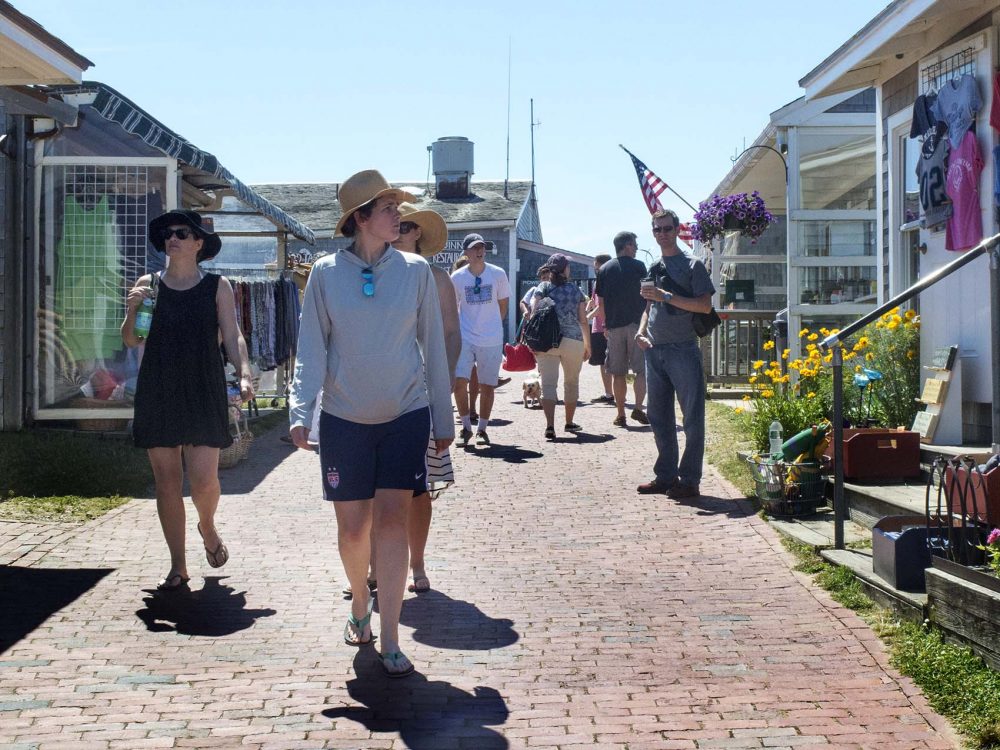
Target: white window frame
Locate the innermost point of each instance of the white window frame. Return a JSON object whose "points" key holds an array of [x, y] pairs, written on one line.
{"points": [[41, 162]]}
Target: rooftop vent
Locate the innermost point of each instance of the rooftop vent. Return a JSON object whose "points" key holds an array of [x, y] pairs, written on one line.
{"points": [[451, 159]]}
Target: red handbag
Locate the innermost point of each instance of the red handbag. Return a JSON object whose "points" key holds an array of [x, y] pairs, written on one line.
{"points": [[518, 357]]}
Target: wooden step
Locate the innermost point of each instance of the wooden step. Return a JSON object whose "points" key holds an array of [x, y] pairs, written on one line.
{"points": [[912, 606]]}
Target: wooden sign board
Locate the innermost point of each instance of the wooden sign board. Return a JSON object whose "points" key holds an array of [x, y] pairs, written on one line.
{"points": [[924, 423], [934, 390], [944, 358]]}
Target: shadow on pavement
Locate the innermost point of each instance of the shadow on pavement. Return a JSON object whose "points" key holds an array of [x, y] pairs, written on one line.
{"points": [[512, 454], [442, 622], [584, 437], [266, 453], [715, 506], [32, 595], [427, 714], [214, 610]]}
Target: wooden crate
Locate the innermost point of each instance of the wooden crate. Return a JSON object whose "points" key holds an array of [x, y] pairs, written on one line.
{"points": [[876, 454]]}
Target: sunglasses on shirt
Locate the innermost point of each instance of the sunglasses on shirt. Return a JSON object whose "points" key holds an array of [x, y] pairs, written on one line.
{"points": [[368, 287], [182, 233]]}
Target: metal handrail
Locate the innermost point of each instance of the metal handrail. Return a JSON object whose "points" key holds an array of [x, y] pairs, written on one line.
{"points": [[832, 342]]}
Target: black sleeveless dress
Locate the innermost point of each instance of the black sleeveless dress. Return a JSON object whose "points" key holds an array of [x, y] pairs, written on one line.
{"points": [[180, 396]]}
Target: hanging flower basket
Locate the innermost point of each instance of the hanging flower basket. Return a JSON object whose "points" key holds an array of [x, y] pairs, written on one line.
{"points": [[741, 213]]}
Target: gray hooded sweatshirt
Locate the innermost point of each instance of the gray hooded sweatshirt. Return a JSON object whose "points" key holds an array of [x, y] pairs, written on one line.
{"points": [[375, 358]]}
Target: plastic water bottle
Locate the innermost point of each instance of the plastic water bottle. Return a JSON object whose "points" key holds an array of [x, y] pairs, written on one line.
{"points": [[144, 318], [774, 436]]}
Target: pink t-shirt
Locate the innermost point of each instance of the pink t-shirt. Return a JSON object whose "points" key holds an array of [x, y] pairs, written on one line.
{"points": [[597, 322], [965, 227]]}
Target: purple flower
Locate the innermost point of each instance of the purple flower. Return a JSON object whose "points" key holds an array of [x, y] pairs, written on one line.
{"points": [[994, 537]]}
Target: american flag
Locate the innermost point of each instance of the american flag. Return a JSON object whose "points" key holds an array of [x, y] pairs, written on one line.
{"points": [[649, 183]]}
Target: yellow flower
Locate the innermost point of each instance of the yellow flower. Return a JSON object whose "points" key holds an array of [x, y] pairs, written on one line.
{"points": [[746, 398], [768, 346], [857, 368], [910, 354], [811, 394], [811, 347], [813, 336], [757, 364], [753, 378], [910, 314], [870, 357], [892, 324], [796, 365], [862, 342], [785, 378], [848, 355], [824, 331], [738, 410], [776, 365], [803, 332], [767, 393], [828, 357], [785, 353]]}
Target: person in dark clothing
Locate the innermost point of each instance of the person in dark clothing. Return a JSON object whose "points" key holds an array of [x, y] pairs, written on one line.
{"points": [[622, 307], [181, 412]]}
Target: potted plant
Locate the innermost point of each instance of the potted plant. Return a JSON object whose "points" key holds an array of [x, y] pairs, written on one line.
{"points": [[741, 212]]}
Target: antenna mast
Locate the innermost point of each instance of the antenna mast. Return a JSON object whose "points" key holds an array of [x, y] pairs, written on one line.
{"points": [[506, 178]]}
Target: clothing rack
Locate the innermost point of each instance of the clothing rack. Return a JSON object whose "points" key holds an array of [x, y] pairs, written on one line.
{"points": [[936, 75]]}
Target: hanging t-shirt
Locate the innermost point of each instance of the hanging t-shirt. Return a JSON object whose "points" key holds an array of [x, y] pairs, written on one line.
{"points": [[965, 228], [923, 115], [957, 103], [931, 173], [479, 304], [995, 106]]}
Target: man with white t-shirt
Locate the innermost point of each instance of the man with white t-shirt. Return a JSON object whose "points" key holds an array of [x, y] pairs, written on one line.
{"points": [[483, 293]]}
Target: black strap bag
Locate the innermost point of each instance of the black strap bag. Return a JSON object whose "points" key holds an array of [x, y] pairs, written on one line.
{"points": [[702, 323], [542, 331]]}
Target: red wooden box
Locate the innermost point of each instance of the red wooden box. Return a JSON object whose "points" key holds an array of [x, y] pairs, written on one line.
{"points": [[984, 496], [871, 454]]}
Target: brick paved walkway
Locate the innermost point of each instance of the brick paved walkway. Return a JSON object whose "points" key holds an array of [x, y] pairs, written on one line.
{"points": [[567, 612]]}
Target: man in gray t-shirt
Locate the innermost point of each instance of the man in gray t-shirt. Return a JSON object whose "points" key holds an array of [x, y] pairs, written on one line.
{"points": [[681, 287]]}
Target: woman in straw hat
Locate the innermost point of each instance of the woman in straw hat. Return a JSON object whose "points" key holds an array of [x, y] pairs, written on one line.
{"points": [[424, 232], [372, 341], [181, 414]]}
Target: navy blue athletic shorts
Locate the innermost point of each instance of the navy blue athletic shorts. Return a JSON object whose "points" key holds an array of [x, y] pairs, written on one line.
{"points": [[357, 459]]}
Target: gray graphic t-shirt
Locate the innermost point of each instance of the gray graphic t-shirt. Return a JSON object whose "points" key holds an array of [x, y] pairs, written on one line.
{"points": [[685, 275]]}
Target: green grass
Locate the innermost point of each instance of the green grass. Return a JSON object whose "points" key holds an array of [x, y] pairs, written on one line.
{"points": [[54, 464], [69, 508], [724, 435], [956, 682]]}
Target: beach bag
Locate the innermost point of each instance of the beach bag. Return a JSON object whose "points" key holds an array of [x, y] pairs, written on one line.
{"points": [[518, 357], [542, 331]]}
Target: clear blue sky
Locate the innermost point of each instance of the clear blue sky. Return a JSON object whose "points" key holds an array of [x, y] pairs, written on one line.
{"points": [[313, 91]]}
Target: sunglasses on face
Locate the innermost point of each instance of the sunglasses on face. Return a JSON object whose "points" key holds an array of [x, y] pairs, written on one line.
{"points": [[405, 227], [478, 287], [368, 287], [182, 233], [664, 230]]}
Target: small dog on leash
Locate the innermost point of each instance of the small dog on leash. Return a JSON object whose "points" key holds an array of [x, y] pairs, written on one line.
{"points": [[531, 391]]}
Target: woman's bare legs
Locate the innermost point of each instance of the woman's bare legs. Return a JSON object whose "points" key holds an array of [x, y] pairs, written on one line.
{"points": [[354, 522], [419, 528], [168, 471], [202, 464], [389, 516]]}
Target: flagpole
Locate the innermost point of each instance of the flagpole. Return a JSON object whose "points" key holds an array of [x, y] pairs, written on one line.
{"points": [[665, 184]]}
